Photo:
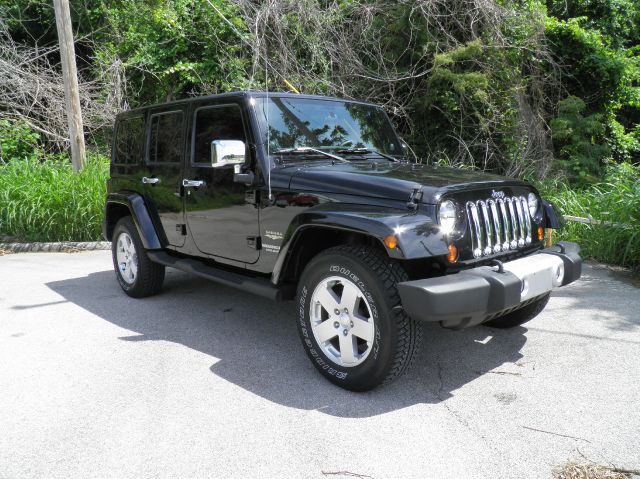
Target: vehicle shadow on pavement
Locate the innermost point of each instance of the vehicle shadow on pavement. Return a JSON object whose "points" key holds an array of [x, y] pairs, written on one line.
{"points": [[255, 344], [610, 299]]}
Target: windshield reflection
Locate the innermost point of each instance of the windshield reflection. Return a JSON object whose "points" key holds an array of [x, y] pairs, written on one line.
{"points": [[324, 124]]}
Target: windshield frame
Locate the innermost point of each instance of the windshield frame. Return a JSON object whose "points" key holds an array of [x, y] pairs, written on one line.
{"points": [[271, 157]]}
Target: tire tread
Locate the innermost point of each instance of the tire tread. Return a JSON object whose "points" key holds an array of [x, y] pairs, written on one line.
{"points": [[408, 330], [150, 275]]}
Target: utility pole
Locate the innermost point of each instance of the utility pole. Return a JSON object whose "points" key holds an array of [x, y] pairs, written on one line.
{"points": [[70, 79]]}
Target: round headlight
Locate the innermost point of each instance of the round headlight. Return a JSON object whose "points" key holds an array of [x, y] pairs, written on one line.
{"points": [[534, 204], [447, 216]]}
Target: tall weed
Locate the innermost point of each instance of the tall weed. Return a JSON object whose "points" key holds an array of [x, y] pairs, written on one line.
{"points": [[45, 200], [616, 202]]}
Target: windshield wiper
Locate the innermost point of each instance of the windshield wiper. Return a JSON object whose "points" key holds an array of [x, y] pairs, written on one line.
{"points": [[308, 149], [358, 151]]}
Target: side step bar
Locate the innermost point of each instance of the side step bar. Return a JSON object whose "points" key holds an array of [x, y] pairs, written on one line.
{"points": [[259, 286]]}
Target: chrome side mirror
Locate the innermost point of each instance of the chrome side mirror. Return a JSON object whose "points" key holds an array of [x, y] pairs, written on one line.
{"points": [[227, 152]]}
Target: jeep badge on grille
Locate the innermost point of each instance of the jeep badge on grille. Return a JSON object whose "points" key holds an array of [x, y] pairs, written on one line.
{"points": [[497, 194]]}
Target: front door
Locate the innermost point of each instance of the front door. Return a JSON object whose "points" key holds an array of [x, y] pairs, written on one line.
{"points": [[221, 218], [163, 172]]}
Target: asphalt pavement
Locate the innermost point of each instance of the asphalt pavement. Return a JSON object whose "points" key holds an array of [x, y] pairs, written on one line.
{"points": [[207, 381]]}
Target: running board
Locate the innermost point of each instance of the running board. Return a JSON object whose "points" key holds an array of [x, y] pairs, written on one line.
{"points": [[260, 286]]}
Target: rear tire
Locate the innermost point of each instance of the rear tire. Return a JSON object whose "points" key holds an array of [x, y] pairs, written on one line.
{"points": [[349, 318], [520, 316], [137, 275]]}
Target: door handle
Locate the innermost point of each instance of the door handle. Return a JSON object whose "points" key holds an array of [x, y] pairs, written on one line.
{"points": [[192, 183], [150, 181]]}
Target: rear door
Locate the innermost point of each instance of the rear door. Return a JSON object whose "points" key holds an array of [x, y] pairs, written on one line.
{"points": [[221, 216], [163, 173]]}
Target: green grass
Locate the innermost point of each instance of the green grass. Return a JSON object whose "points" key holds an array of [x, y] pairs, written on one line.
{"points": [[615, 199], [45, 200]]}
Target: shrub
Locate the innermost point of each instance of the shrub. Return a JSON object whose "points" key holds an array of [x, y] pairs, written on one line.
{"points": [[578, 139], [45, 200], [17, 141]]}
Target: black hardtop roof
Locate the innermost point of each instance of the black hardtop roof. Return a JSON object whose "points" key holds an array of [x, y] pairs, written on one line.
{"points": [[242, 94]]}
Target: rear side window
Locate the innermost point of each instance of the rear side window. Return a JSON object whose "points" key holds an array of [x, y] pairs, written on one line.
{"points": [[165, 137], [129, 141], [215, 123]]}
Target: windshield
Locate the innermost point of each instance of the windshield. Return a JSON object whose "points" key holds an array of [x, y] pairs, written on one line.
{"points": [[324, 125]]}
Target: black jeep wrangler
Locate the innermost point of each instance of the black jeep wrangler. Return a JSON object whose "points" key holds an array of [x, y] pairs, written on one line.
{"points": [[317, 199]]}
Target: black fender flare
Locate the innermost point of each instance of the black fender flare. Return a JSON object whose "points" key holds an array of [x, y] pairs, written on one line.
{"points": [[134, 202], [553, 218], [417, 234]]}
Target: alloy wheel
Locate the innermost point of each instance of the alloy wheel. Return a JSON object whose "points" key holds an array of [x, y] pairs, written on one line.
{"points": [[341, 321]]}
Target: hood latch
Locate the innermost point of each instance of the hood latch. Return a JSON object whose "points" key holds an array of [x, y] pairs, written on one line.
{"points": [[414, 199]]}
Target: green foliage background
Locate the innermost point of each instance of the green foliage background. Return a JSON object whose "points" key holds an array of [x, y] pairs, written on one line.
{"points": [[543, 89], [516, 86]]}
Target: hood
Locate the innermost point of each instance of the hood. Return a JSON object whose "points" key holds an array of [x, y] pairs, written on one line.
{"points": [[384, 180]]}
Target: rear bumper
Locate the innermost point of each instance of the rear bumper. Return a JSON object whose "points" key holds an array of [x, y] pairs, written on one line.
{"points": [[476, 295]]}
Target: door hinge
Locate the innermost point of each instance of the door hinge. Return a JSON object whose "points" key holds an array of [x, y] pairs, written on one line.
{"points": [[254, 242], [182, 229]]}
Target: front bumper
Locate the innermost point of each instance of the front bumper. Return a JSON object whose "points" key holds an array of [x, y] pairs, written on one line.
{"points": [[476, 295]]}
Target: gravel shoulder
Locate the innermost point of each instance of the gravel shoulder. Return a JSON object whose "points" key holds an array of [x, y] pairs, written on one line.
{"points": [[207, 381]]}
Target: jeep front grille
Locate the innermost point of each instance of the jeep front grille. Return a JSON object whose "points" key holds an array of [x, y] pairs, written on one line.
{"points": [[498, 225]]}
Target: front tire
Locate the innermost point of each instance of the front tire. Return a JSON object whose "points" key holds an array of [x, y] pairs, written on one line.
{"points": [[137, 275], [520, 316], [349, 318]]}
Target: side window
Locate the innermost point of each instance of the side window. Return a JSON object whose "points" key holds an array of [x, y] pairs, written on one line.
{"points": [[165, 137], [129, 142], [219, 136]]}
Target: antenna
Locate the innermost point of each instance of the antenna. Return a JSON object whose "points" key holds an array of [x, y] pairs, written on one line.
{"points": [[290, 86], [266, 114]]}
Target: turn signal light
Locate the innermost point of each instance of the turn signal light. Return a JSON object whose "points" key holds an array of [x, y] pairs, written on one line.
{"points": [[452, 257], [540, 233], [391, 242]]}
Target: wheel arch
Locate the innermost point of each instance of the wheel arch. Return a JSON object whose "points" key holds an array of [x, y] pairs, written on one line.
{"points": [[311, 240], [552, 216], [119, 205], [332, 225]]}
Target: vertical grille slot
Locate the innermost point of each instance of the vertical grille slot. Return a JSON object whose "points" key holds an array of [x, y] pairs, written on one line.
{"points": [[527, 220], [498, 225], [505, 224], [518, 205], [488, 229], [514, 223], [476, 230]]}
